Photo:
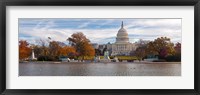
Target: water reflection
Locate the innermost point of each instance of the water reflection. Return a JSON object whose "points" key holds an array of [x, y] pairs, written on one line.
{"points": [[99, 69]]}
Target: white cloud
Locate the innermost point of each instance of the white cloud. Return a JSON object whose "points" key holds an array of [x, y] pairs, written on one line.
{"points": [[84, 25], [98, 35], [161, 27], [156, 23]]}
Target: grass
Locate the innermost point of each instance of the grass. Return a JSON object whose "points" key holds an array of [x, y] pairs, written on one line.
{"points": [[122, 57], [127, 57]]}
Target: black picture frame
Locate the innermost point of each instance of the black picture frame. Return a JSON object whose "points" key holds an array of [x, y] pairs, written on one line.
{"points": [[4, 3]]}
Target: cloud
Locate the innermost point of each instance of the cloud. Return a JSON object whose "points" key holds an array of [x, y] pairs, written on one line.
{"points": [[84, 25], [99, 30]]}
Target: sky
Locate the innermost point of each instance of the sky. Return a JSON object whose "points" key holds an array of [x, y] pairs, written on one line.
{"points": [[99, 31]]}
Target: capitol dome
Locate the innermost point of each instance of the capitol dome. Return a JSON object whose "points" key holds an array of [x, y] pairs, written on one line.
{"points": [[122, 32], [122, 35]]}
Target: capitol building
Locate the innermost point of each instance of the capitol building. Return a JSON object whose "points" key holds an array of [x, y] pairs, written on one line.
{"points": [[122, 46]]}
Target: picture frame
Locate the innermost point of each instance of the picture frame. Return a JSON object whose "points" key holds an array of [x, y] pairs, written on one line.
{"points": [[3, 82]]}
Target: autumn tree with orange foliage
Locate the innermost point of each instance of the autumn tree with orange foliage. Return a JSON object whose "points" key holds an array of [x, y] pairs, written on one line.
{"points": [[87, 50], [24, 50], [81, 44], [67, 50]]}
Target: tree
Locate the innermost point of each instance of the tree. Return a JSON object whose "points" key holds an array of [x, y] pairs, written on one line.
{"points": [[140, 52], [178, 51], [43, 46], [163, 53], [178, 48], [37, 50], [54, 49], [142, 42], [97, 52], [87, 50], [68, 50], [161, 46], [24, 50], [81, 44]]}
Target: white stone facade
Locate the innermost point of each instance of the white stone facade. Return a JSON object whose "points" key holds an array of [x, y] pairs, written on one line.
{"points": [[122, 46], [122, 49]]}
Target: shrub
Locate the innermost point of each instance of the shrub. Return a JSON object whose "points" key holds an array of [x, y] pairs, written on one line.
{"points": [[160, 60], [45, 58], [173, 58], [111, 57]]}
